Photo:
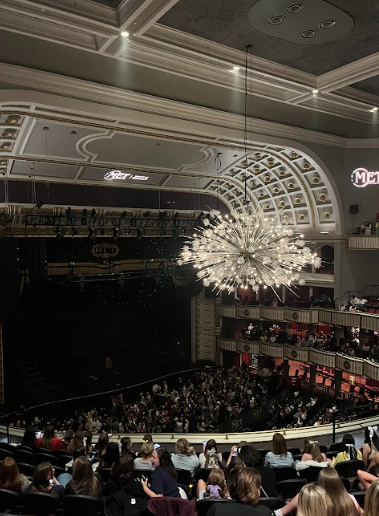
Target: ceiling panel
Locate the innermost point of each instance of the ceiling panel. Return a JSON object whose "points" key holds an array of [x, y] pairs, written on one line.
{"points": [[370, 85], [24, 168], [146, 152], [57, 140], [226, 23]]}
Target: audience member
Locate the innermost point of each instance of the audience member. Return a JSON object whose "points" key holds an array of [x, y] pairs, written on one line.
{"points": [[215, 487], [163, 479], [112, 453], [210, 458], [313, 501], [84, 481], [76, 442], [145, 456], [349, 451], [10, 477], [250, 457], [29, 438], [185, 456], [48, 441], [122, 479], [279, 457], [372, 500], [245, 489], [126, 447], [44, 480]]}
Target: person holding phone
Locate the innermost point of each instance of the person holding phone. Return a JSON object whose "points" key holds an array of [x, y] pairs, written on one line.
{"points": [[44, 480], [210, 458]]}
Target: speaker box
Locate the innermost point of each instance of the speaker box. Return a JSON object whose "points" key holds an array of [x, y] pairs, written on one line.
{"points": [[353, 209]]}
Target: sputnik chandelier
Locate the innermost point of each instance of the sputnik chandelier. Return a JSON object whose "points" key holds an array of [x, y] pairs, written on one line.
{"points": [[247, 249]]}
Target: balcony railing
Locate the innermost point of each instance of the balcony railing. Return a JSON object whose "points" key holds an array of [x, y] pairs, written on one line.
{"points": [[348, 364], [314, 315]]}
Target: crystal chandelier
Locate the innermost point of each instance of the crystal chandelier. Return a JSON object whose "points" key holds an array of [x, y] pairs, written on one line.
{"points": [[247, 249]]}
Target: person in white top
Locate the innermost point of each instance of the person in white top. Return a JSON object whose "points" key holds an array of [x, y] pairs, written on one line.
{"points": [[210, 458]]}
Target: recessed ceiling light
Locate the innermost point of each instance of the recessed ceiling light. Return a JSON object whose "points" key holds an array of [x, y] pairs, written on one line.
{"points": [[276, 20], [373, 110], [324, 232], [314, 92], [236, 68], [327, 24], [310, 33], [125, 34], [295, 8]]}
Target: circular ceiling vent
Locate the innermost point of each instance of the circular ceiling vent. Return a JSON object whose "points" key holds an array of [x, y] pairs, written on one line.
{"points": [[327, 24], [276, 20], [310, 33], [295, 8]]}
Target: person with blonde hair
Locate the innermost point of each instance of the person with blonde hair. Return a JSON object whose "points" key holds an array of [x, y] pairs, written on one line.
{"points": [[313, 452], [185, 456], [145, 455], [279, 457], [372, 500], [215, 487], [313, 501]]}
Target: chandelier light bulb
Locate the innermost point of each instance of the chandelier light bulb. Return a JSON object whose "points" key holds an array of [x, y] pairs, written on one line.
{"points": [[246, 249]]}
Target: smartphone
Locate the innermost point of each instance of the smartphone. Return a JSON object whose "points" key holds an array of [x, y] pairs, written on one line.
{"points": [[156, 446], [38, 435], [91, 457], [234, 451], [205, 443], [51, 481]]}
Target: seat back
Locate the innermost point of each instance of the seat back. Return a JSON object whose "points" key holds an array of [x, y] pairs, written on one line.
{"points": [[45, 457], [336, 447], [5, 453], [7, 447], [272, 502], [202, 474], [204, 505], [40, 504], [310, 474], [290, 488], [24, 456], [79, 505], [63, 460], [360, 497], [9, 500], [294, 451], [349, 468], [105, 474], [284, 473], [184, 476], [26, 469]]}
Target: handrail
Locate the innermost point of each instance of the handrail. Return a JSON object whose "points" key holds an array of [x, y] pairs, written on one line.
{"points": [[228, 439]]}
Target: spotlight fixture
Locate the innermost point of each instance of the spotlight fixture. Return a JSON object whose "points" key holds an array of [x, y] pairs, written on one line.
{"points": [[327, 24], [125, 34], [276, 20], [295, 8], [314, 92], [236, 68], [91, 233], [324, 232], [310, 33], [374, 110], [116, 233], [59, 232]]}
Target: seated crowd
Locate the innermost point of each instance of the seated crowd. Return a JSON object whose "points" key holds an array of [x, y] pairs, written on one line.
{"points": [[308, 482]]}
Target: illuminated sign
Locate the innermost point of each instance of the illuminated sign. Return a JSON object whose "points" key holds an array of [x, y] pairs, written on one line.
{"points": [[362, 177], [106, 250], [114, 175]]}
